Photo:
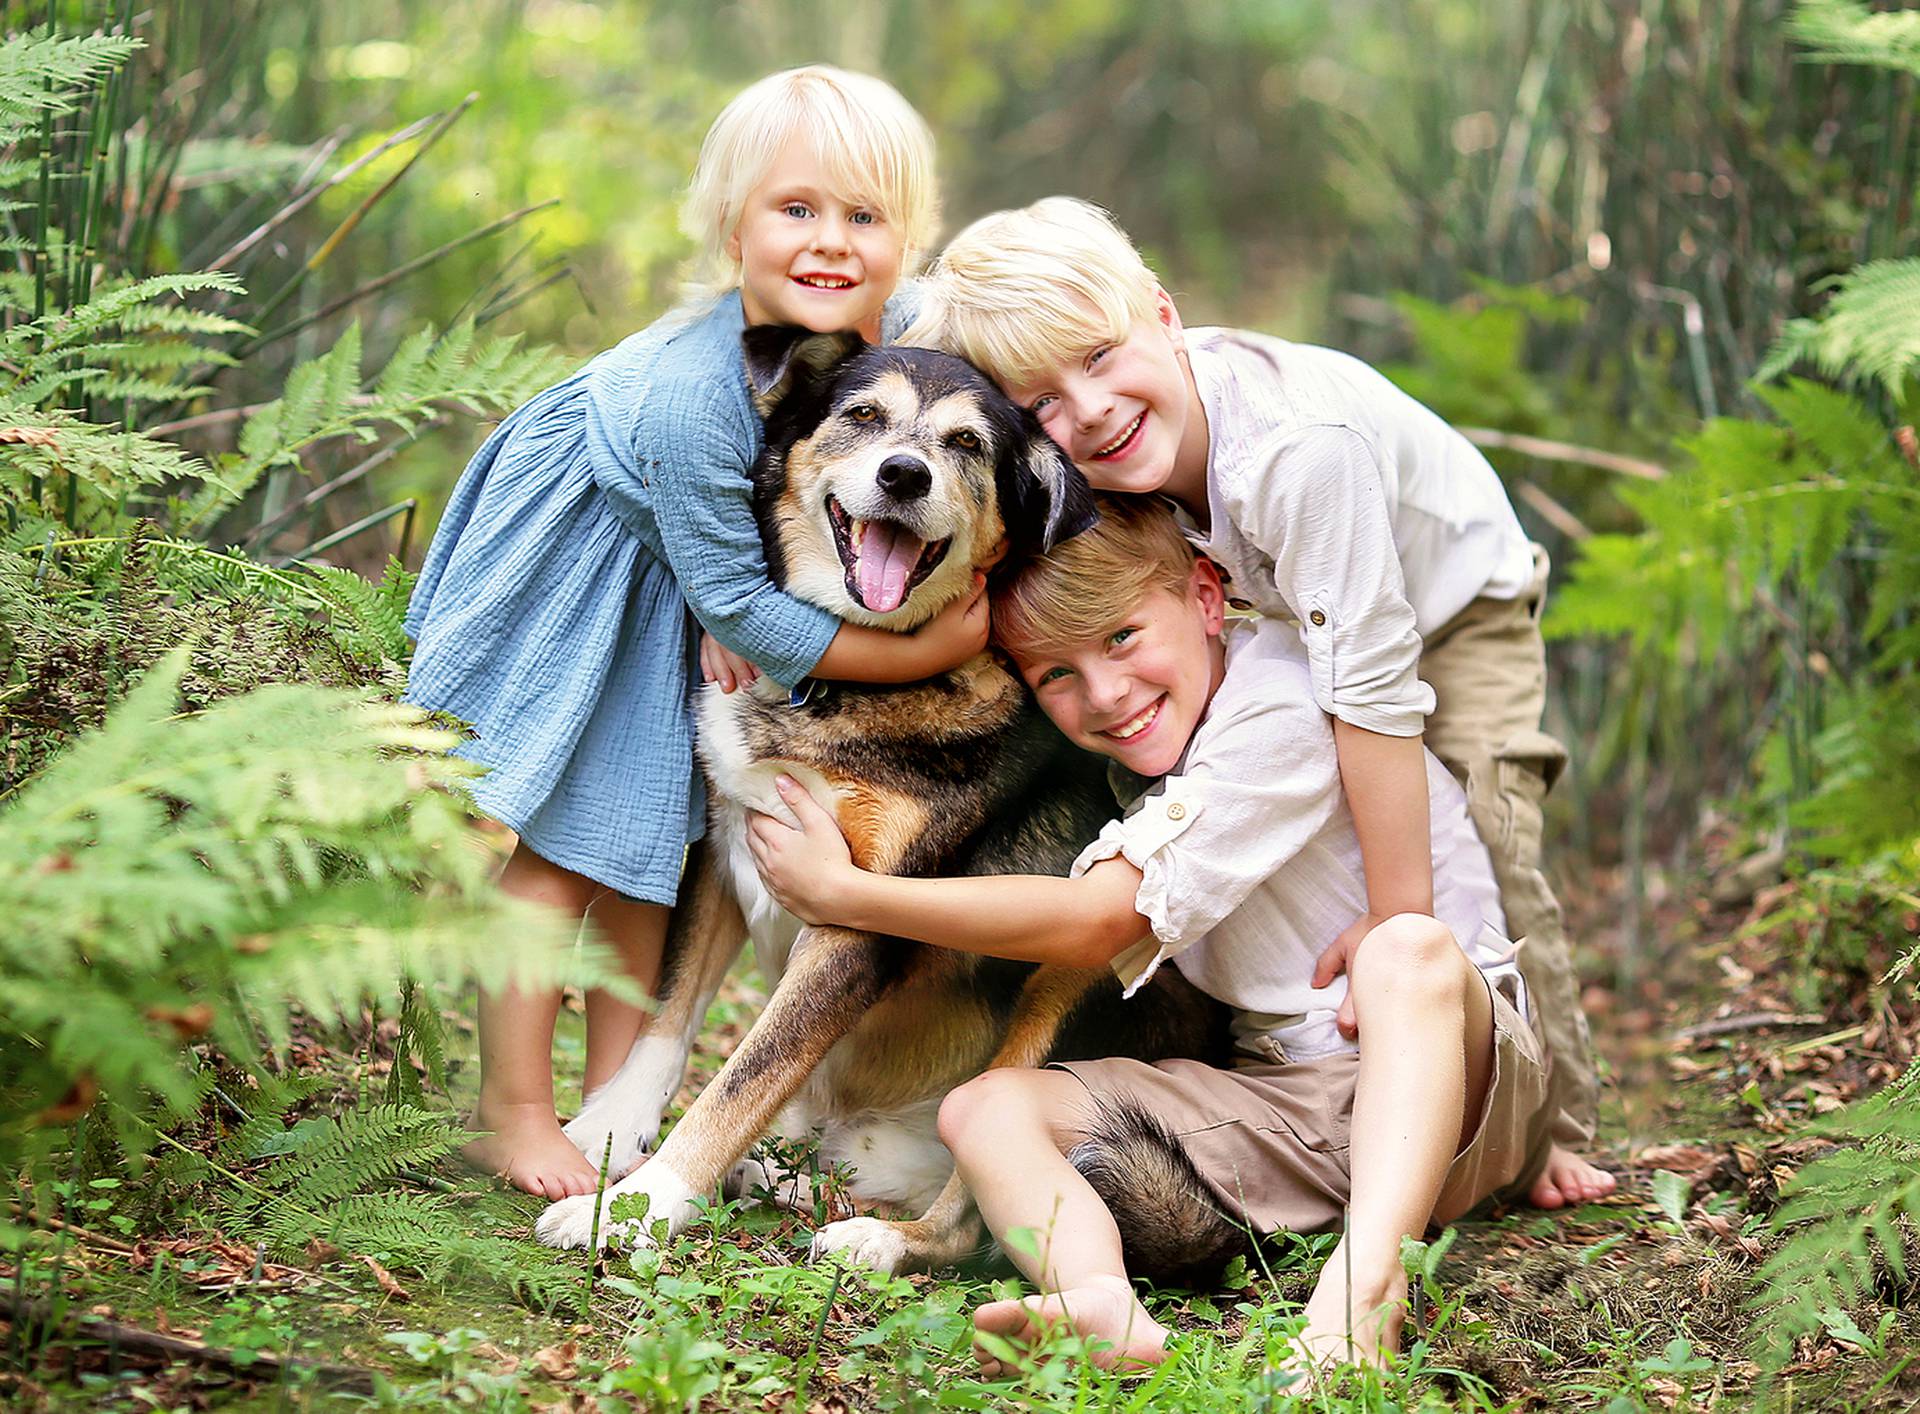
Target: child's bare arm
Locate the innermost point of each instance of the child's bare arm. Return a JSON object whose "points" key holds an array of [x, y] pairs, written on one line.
{"points": [[1385, 780], [1083, 922], [951, 637]]}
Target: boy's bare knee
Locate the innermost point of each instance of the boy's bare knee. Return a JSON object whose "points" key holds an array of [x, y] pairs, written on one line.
{"points": [[981, 1111], [1413, 950]]}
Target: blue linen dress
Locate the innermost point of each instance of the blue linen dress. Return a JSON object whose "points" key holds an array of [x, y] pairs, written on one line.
{"points": [[552, 611]]}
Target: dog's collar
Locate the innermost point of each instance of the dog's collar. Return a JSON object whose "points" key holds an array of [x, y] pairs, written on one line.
{"points": [[805, 691]]}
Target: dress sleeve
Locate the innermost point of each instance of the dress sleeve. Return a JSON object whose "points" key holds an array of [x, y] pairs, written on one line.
{"points": [[690, 460], [1322, 519], [1258, 787]]}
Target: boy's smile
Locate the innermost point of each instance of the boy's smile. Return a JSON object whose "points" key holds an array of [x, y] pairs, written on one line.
{"points": [[1138, 693], [811, 257], [1128, 413]]}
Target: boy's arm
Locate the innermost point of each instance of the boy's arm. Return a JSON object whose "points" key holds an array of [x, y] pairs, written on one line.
{"points": [[1082, 922], [1385, 779], [1317, 506]]}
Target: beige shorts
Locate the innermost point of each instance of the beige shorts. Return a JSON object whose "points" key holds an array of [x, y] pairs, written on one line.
{"points": [[1271, 1140]]}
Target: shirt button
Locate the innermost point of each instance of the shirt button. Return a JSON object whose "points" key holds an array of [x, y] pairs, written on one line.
{"points": [[1317, 618], [1176, 811]]}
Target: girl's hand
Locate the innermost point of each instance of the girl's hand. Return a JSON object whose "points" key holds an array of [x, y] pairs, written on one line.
{"points": [[723, 666], [807, 870], [958, 632]]}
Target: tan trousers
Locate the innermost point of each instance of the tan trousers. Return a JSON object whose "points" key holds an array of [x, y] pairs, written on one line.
{"points": [[1487, 666]]}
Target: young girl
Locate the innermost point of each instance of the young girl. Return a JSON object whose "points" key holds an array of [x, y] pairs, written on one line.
{"points": [[601, 522]]}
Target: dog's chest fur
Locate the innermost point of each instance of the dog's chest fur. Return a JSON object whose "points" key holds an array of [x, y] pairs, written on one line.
{"points": [[911, 773]]}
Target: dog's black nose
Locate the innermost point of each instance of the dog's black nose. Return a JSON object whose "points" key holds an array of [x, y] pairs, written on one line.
{"points": [[904, 478]]}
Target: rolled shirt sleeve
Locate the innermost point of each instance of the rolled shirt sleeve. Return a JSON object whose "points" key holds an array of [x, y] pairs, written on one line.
{"points": [[681, 471], [1260, 781], [1324, 525]]}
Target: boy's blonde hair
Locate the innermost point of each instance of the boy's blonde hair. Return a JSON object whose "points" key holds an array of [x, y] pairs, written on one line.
{"points": [[1019, 293], [1087, 587], [874, 147]]}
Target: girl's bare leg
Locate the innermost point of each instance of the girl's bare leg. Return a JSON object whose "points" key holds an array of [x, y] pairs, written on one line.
{"points": [[523, 1142], [1010, 1131], [638, 932], [1426, 1059]]}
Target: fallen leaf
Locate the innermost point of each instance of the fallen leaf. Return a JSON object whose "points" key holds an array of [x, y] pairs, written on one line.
{"points": [[557, 1361], [385, 1278]]}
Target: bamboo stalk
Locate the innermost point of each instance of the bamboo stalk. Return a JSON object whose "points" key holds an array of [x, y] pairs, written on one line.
{"points": [[399, 272]]}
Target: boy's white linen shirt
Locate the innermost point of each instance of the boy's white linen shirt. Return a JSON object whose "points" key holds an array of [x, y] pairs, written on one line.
{"points": [[1249, 865], [1338, 501]]}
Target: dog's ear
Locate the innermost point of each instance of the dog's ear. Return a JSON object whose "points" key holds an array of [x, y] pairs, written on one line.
{"points": [[1043, 497], [781, 356]]}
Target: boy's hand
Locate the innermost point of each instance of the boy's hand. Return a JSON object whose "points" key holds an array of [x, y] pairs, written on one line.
{"points": [[806, 869], [1334, 961], [724, 666], [958, 632]]}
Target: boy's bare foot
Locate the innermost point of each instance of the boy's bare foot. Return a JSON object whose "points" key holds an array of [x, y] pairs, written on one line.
{"points": [[1357, 1328], [1105, 1309], [526, 1147], [1569, 1180]]}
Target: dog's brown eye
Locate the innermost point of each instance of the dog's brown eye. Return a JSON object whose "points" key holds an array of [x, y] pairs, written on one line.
{"points": [[966, 441], [863, 412]]}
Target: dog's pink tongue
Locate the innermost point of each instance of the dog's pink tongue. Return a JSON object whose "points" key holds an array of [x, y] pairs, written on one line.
{"points": [[888, 554]]}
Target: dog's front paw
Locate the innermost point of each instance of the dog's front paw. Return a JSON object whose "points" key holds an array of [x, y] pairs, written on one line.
{"points": [[569, 1222], [867, 1242], [597, 1125]]}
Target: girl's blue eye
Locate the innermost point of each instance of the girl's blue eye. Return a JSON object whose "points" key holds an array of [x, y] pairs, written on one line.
{"points": [[1121, 635], [797, 209], [863, 218], [1099, 354], [1039, 404], [1051, 675]]}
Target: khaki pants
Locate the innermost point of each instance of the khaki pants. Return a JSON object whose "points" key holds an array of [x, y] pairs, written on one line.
{"points": [[1487, 666]]}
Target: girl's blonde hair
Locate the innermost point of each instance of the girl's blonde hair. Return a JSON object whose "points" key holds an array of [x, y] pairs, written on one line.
{"points": [[1087, 587], [1019, 293], [874, 147]]}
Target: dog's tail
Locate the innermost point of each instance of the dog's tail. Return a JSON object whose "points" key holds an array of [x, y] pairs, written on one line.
{"points": [[1172, 1227]]}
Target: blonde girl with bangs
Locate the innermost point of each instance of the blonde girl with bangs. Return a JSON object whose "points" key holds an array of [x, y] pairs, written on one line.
{"points": [[607, 524]]}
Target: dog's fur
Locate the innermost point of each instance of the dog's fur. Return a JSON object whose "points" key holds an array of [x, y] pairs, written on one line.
{"points": [[959, 774]]}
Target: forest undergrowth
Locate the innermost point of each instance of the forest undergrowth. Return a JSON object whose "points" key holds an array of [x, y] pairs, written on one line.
{"points": [[1641, 1302]]}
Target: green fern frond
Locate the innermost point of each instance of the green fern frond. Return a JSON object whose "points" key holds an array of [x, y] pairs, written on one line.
{"points": [[40, 72], [38, 346], [1869, 331], [1848, 1217], [351, 1152], [1847, 32]]}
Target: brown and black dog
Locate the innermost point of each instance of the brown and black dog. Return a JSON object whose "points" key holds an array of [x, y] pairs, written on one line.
{"points": [[886, 474]]}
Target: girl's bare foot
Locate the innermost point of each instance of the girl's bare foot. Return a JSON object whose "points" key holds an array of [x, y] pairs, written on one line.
{"points": [[1569, 1180], [1103, 1310], [526, 1147], [1357, 1327]]}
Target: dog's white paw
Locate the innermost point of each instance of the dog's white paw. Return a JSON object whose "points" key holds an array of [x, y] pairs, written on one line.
{"points": [[598, 1124], [569, 1222], [867, 1242]]}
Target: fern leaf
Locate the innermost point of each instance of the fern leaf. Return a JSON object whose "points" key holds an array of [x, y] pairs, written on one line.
{"points": [[1870, 329], [1847, 32], [39, 72]]}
